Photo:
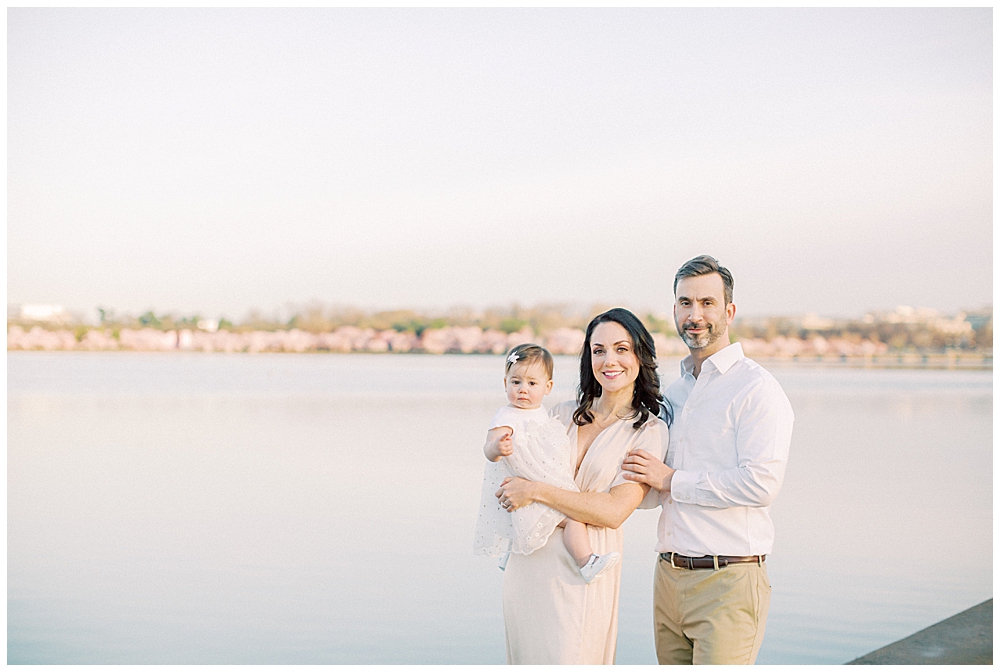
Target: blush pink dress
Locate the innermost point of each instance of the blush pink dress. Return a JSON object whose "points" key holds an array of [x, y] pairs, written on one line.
{"points": [[551, 615]]}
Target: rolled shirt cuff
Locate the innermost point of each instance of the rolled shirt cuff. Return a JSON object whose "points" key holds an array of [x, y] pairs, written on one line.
{"points": [[682, 486]]}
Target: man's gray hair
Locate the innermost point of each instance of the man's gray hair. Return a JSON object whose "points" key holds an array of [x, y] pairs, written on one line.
{"points": [[706, 265]]}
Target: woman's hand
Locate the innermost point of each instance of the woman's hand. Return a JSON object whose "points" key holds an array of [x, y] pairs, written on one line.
{"points": [[643, 467], [516, 492]]}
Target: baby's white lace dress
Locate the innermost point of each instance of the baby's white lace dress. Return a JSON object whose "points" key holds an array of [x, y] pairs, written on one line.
{"points": [[541, 453]]}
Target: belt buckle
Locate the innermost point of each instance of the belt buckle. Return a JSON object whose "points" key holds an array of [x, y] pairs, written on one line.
{"points": [[672, 554]]}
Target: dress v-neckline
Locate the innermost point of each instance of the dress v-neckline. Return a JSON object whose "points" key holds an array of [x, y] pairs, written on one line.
{"points": [[579, 466]]}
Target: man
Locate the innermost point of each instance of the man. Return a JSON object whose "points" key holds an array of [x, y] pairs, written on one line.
{"points": [[727, 452]]}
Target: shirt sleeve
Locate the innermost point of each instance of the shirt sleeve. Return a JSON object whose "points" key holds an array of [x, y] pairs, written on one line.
{"points": [[652, 438], [505, 417], [763, 436]]}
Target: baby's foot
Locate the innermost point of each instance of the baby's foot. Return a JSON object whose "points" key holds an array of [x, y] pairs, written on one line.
{"points": [[598, 565], [503, 561]]}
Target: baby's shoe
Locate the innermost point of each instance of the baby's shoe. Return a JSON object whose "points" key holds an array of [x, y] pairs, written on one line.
{"points": [[598, 564], [503, 562]]}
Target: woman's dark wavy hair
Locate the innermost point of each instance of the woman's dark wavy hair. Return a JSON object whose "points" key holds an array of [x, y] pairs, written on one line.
{"points": [[646, 398]]}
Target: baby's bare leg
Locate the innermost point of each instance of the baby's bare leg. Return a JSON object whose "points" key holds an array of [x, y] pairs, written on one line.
{"points": [[577, 541]]}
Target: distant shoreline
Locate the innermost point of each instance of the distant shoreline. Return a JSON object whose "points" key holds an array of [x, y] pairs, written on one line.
{"points": [[964, 362], [799, 352]]}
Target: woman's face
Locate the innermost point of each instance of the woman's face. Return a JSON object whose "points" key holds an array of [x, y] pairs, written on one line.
{"points": [[612, 356]]}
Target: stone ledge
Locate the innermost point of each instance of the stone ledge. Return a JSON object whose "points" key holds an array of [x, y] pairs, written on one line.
{"points": [[964, 639]]}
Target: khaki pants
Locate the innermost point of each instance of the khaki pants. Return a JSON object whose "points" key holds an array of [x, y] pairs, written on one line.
{"points": [[704, 616]]}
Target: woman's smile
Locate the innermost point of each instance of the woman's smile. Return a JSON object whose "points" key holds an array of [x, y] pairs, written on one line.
{"points": [[613, 357]]}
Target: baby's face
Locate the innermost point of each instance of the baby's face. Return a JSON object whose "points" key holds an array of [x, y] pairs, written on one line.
{"points": [[527, 384]]}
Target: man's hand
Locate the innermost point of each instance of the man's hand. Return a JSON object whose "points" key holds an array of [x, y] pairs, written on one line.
{"points": [[643, 467], [498, 443]]}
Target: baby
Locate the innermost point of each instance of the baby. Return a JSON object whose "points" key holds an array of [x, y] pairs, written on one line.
{"points": [[524, 441]]}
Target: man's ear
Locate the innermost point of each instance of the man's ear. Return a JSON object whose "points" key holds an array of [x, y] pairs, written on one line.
{"points": [[730, 313]]}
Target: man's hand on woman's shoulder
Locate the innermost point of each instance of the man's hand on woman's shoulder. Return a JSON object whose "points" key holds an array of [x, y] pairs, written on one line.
{"points": [[643, 467]]}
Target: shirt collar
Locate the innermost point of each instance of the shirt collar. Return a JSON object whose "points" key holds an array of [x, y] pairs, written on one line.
{"points": [[723, 360]]}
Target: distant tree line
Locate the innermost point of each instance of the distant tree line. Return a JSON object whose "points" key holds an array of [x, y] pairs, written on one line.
{"points": [[929, 335], [319, 319], [924, 331]]}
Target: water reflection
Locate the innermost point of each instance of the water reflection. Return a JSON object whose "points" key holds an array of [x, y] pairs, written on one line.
{"points": [[307, 509]]}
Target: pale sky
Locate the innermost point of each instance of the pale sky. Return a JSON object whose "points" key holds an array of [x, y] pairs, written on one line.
{"points": [[214, 161]]}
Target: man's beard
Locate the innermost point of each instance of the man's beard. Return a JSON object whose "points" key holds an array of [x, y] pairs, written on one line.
{"points": [[710, 336]]}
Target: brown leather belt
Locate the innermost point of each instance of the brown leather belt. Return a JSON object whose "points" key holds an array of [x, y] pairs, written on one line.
{"points": [[708, 561]]}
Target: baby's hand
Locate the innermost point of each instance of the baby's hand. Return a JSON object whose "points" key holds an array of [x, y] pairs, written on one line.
{"points": [[498, 443], [505, 446]]}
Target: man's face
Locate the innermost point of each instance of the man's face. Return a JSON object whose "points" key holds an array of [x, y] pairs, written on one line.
{"points": [[701, 313]]}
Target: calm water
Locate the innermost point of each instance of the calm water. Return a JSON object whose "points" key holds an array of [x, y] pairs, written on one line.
{"points": [[187, 508]]}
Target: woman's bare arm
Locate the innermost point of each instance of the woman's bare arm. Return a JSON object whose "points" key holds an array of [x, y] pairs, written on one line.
{"points": [[602, 509]]}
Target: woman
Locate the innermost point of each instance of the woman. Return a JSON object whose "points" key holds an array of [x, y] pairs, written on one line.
{"points": [[551, 615]]}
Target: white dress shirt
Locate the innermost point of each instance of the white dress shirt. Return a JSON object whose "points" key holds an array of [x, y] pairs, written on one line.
{"points": [[729, 444]]}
